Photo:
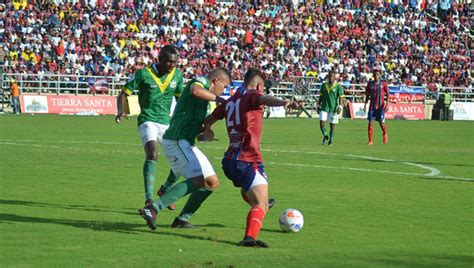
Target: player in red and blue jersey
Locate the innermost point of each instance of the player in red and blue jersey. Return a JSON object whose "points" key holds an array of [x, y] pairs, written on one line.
{"points": [[243, 162], [378, 94]]}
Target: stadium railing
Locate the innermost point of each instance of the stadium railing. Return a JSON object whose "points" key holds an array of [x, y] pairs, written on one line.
{"points": [[303, 89]]}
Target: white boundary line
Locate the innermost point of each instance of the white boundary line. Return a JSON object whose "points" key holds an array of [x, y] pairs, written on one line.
{"points": [[433, 172]]}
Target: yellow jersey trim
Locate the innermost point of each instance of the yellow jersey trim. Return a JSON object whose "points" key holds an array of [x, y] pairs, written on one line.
{"points": [[199, 84], [127, 91], [161, 85]]}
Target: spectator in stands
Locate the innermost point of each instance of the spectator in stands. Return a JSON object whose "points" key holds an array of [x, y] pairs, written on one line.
{"points": [[286, 38], [15, 96]]}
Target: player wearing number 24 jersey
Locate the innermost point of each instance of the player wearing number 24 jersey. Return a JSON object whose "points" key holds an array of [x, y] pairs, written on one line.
{"points": [[243, 162]]}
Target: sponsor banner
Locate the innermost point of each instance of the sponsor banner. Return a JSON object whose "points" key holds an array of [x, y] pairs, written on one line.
{"points": [[407, 111], [405, 97], [69, 104], [34, 104], [405, 89], [462, 110]]}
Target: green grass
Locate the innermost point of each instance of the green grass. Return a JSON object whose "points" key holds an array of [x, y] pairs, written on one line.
{"points": [[70, 187]]}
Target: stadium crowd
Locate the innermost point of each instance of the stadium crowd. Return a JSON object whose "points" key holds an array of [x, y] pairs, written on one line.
{"points": [[286, 38]]}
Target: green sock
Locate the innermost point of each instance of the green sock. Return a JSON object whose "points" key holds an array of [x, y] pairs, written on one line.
{"points": [[323, 130], [169, 182], [179, 190], [194, 202], [331, 135], [149, 171]]}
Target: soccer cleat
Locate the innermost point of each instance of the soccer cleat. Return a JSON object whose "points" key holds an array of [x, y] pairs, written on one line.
{"points": [[330, 143], [385, 139], [271, 202], [148, 202], [149, 214], [370, 143], [177, 223], [160, 193], [325, 138], [250, 242]]}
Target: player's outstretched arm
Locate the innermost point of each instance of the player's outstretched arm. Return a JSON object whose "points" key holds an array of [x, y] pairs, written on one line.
{"points": [[274, 101]]}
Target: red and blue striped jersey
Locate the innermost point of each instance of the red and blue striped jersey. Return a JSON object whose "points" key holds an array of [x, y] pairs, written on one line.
{"points": [[244, 118], [376, 91]]}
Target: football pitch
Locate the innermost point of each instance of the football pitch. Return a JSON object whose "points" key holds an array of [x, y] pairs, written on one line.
{"points": [[70, 187]]}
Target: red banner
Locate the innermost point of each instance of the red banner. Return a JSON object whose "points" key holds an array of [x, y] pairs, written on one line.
{"points": [[68, 104], [395, 111]]}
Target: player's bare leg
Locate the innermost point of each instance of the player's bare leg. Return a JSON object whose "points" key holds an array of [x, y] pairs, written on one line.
{"points": [[384, 131], [271, 201]]}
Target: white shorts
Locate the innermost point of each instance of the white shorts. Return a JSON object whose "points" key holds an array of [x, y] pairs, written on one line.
{"points": [[259, 179], [186, 160], [333, 118], [151, 131]]}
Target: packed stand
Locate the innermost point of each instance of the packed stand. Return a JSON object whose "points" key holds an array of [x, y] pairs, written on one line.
{"points": [[413, 47]]}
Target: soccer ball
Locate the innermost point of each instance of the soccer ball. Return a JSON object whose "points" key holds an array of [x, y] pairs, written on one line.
{"points": [[291, 220]]}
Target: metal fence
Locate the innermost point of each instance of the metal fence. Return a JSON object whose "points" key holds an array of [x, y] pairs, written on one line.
{"points": [[76, 84]]}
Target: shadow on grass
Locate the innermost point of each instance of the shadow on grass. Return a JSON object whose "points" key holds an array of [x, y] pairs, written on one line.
{"points": [[68, 206], [118, 227], [272, 230]]}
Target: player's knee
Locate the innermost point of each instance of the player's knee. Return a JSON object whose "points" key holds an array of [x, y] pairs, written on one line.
{"points": [[211, 183], [151, 150], [151, 155]]}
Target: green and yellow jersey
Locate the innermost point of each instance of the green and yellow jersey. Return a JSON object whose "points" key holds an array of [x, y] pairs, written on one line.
{"points": [[330, 97], [155, 94], [189, 114]]}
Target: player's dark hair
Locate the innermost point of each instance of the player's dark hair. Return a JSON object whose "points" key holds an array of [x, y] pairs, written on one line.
{"points": [[168, 50], [218, 72], [251, 75]]}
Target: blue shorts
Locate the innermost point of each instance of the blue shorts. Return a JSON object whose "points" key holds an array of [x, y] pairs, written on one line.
{"points": [[377, 115], [243, 174]]}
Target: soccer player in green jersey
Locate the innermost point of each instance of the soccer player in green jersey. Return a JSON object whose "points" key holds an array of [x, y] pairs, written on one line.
{"points": [[329, 106], [184, 157], [156, 86]]}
